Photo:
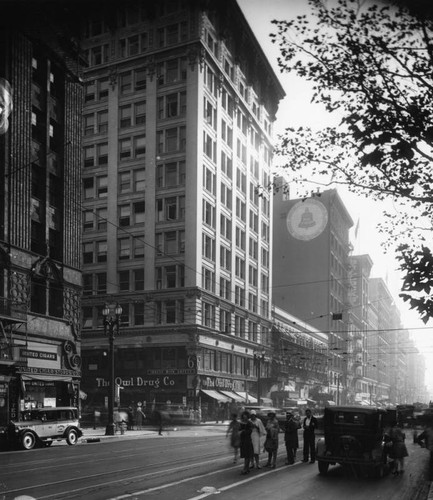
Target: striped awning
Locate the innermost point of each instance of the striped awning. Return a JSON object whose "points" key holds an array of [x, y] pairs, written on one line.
{"points": [[215, 395], [234, 396]]}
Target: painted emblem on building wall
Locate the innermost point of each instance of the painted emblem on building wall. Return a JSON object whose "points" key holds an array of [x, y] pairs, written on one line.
{"points": [[307, 219]]}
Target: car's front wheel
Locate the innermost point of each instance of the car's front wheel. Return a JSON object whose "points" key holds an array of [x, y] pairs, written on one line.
{"points": [[28, 440], [323, 467], [72, 437]]}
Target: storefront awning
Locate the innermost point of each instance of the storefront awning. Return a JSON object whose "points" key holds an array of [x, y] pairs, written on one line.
{"points": [[250, 399], [233, 395], [47, 378], [216, 395]]}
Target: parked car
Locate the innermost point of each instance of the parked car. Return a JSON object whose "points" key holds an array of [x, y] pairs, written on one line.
{"points": [[42, 426], [406, 415], [354, 436]]}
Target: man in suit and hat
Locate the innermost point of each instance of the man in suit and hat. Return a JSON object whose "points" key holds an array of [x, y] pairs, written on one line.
{"points": [[309, 425]]}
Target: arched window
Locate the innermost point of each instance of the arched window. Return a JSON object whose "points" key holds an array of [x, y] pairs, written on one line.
{"points": [[46, 289]]}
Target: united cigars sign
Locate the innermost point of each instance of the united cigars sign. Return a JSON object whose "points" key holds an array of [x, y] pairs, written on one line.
{"points": [[28, 353]]}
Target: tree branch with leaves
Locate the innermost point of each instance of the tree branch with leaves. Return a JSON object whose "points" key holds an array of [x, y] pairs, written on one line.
{"points": [[372, 65]]}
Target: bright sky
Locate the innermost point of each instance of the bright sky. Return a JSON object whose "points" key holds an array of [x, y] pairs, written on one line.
{"points": [[296, 110]]}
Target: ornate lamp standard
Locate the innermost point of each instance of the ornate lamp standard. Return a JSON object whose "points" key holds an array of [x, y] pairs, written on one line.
{"points": [[111, 313], [259, 357]]}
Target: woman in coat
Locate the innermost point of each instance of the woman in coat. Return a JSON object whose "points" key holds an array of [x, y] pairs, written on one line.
{"points": [[233, 432], [271, 443], [258, 431], [398, 449], [246, 448]]}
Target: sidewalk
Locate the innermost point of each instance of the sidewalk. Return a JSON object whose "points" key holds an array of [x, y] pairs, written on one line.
{"points": [[94, 435]]}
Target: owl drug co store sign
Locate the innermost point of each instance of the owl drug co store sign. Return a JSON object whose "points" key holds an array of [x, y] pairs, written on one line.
{"points": [[154, 383]]}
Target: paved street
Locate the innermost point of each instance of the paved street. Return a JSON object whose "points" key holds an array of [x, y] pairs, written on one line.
{"points": [[186, 464]]}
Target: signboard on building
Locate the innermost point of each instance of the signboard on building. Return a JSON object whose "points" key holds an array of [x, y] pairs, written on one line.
{"points": [[39, 355], [221, 383]]}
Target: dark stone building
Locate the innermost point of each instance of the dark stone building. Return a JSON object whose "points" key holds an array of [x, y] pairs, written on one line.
{"points": [[40, 213]]}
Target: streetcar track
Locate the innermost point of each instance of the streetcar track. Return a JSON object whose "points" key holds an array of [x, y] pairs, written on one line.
{"points": [[90, 458], [125, 479]]}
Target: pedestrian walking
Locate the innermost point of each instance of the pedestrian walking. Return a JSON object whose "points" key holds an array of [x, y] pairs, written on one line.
{"points": [[158, 418], [309, 425], [258, 432], [246, 445], [235, 439], [271, 442], [291, 438], [130, 413], [398, 450], [139, 416]]}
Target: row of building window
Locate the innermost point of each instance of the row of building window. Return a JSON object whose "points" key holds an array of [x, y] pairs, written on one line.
{"points": [[173, 311], [138, 43], [131, 247]]}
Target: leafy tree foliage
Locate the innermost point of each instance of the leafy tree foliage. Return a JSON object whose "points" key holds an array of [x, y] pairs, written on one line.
{"points": [[371, 64]]}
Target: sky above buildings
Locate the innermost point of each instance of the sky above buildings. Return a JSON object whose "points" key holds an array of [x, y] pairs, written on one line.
{"points": [[296, 110]]}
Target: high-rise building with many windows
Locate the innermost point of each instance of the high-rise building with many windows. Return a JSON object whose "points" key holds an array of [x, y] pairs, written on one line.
{"points": [[311, 249], [179, 105]]}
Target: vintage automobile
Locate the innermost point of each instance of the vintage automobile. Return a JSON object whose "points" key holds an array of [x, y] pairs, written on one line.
{"points": [[42, 426], [406, 415], [354, 436]]}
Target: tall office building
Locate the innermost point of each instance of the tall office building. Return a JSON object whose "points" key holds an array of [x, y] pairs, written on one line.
{"points": [[40, 213], [311, 270], [362, 367], [382, 309], [179, 106]]}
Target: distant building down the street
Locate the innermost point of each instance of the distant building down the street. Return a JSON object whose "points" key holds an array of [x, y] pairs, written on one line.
{"points": [[311, 269]]}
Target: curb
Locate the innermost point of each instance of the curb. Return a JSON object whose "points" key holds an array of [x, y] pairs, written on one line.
{"points": [[91, 440]]}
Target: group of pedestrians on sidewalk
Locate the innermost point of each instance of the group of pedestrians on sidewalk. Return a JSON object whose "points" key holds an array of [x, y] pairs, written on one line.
{"points": [[248, 434]]}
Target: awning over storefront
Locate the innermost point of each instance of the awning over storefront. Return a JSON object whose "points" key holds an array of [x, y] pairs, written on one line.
{"points": [[234, 396], [250, 399], [47, 378], [216, 395]]}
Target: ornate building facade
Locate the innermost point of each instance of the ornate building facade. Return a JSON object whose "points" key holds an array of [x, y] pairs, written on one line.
{"points": [[40, 213]]}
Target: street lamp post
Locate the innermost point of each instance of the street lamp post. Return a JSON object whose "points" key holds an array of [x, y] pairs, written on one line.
{"points": [[111, 313], [259, 356]]}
